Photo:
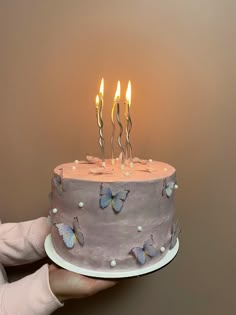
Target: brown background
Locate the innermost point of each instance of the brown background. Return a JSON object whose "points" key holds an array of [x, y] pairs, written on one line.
{"points": [[180, 58]]}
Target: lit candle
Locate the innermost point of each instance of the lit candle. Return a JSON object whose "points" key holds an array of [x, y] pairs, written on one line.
{"points": [[116, 104], [101, 91], [116, 98], [99, 108], [128, 147]]}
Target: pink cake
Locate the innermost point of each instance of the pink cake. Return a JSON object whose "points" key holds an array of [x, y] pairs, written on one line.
{"points": [[108, 219]]}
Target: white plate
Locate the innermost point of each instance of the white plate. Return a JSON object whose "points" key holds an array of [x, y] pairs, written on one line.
{"points": [[52, 254]]}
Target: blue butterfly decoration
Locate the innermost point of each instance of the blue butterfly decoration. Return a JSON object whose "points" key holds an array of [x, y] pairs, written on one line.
{"points": [[168, 188], [148, 249], [175, 231], [71, 235], [57, 182], [116, 200]]}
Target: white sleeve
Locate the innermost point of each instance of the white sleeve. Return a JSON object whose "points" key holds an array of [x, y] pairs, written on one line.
{"points": [[31, 295], [23, 242]]}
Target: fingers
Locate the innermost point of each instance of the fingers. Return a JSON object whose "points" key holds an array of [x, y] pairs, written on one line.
{"points": [[97, 285], [69, 285], [52, 267]]}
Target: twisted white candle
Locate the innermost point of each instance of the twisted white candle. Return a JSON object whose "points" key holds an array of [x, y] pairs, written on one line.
{"points": [[99, 108], [128, 147], [113, 133], [116, 104]]}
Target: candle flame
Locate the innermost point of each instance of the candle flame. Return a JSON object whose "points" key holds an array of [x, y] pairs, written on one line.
{"points": [[97, 101], [128, 93], [102, 87], [117, 95]]}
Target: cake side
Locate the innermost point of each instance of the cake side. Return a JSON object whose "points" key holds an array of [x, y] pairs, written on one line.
{"points": [[112, 238]]}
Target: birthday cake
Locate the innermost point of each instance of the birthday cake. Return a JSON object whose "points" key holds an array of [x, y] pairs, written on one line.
{"points": [[108, 218]]}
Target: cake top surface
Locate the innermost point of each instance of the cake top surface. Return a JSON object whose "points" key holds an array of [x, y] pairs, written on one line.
{"points": [[92, 170]]}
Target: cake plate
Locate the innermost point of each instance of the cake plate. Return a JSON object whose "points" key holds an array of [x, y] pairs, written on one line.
{"points": [[52, 254]]}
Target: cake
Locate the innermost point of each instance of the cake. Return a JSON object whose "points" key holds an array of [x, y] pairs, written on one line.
{"points": [[109, 219]]}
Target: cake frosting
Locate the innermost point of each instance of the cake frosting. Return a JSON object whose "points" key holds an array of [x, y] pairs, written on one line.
{"points": [[109, 218]]}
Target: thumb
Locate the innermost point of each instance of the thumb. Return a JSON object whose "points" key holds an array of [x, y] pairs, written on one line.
{"points": [[52, 267]]}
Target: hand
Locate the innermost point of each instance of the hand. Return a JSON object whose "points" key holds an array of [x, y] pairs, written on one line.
{"points": [[69, 285]]}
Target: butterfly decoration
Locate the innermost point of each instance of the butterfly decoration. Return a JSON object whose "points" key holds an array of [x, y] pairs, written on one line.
{"points": [[49, 219], [71, 235], [175, 231], [57, 182], [140, 161], [116, 200], [93, 159], [100, 171], [140, 253], [90, 160], [147, 169], [168, 188]]}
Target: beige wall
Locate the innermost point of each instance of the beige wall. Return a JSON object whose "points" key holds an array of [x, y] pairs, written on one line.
{"points": [[179, 56]]}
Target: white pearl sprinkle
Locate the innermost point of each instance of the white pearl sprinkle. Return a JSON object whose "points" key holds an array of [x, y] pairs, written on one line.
{"points": [[117, 159], [113, 263], [165, 169], [54, 210], [176, 186], [76, 161], [162, 249], [150, 160], [139, 228], [81, 204], [127, 173], [73, 167]]}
